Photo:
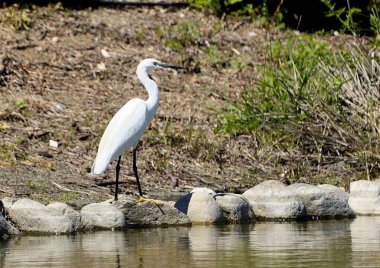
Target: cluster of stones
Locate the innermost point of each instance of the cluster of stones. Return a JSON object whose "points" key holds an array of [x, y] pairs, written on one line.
{"points": [[270, 200]]}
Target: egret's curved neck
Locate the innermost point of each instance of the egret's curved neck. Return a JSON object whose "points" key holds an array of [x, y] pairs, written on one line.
{"points": [[152, 88]]}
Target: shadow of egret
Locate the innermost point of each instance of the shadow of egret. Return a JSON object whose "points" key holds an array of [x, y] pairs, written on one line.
{"points": [[183, 203]]}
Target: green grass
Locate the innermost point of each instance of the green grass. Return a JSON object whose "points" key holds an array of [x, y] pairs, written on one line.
{"points": [[314, 101], [287, 85]]}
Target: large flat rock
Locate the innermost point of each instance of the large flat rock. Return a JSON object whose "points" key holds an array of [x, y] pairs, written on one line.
{"points": [[273, 200], [102, 216], [235, 208], [151, 213], [365, 197], [32, 216], [323, 201]]}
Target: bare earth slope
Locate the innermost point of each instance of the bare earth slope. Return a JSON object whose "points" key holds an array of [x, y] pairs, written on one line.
{"points": [[64, 77]]}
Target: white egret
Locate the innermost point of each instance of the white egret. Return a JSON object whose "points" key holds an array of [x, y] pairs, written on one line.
{"points": [[129, 123]]}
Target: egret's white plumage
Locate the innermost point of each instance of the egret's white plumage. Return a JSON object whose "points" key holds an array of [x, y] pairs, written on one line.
{"points": [[129, 123], [122, 133]]}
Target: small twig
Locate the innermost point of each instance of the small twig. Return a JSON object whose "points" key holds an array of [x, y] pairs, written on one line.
{"points": [[5, 191], [277, 9], [24, 46], [63, 188]]}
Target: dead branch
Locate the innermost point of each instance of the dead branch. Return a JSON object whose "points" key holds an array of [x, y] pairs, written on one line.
{"points": [[63, 188]]}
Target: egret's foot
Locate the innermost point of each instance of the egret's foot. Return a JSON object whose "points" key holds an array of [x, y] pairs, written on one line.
{"points": [[144, 199]]}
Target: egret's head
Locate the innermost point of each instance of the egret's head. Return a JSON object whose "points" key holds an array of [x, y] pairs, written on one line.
{"points": [[149, 65]]}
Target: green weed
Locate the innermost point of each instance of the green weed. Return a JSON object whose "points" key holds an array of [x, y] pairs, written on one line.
{"points": [[375, 25], [215, 57], [37, 186], [235, 7], [20, 105], [345, 15], [67, 197], [182, 36], [3, 127], [315, 101], [17, 17], [140, 35], [7, 153], [279, 95]]}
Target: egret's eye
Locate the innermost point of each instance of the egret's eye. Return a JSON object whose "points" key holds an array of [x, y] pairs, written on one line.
{"points": [[155, 63]]}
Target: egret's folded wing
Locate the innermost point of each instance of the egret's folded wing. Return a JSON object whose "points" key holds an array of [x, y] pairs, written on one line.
{"points": [[123, 132]]}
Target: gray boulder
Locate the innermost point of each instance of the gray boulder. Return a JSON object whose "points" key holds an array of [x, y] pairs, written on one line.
{"points": [[102, 216], [235, 208], [8, 201], [6, 228], [365, 197], [203, 190], [272, 199], [149, 213], [323, 201], [32, 216], [200, 207]]}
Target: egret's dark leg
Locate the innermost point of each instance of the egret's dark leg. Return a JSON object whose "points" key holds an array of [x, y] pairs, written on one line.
{"points": [[135, 171], [117, 177]]}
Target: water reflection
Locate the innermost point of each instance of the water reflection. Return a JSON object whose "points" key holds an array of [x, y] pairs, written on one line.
{"points": [[365, 233], [344, 243]]}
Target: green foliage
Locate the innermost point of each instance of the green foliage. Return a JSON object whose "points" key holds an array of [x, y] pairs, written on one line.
{"points": [[3, 127], [24, 16], [181, 36], [374, 20], [37, 186], [345, 15], [311, 99], [236, 7], [283, 88], [18, 18], [20, 105], [215, 56], [68, 197], [140, 35], [7, 154]]}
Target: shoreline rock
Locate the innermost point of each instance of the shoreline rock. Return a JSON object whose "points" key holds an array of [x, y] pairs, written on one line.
{"points": [[236, 208], [151, 213], [323, 201], [201, 207], [102, 216], [365, 197], [32, 216], [269, 200], [273, 200]]}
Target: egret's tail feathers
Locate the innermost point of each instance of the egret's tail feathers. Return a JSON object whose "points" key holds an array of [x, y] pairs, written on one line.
{"points": [[100, 164]]}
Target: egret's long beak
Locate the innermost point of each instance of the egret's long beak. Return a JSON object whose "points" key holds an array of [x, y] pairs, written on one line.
{"points": [[172, 66]]}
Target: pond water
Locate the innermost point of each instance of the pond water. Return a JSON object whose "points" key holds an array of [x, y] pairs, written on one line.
{"points": [[335, 243]]}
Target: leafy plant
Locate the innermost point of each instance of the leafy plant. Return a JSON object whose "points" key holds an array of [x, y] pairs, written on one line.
{"points": [[20, 105], [313, 101], [283, 88], [7, 153], [182, 36], [345, 15], [374, 20], [68, 197], [237, 7], [215, 56], [3, 127], [18, 18]]}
